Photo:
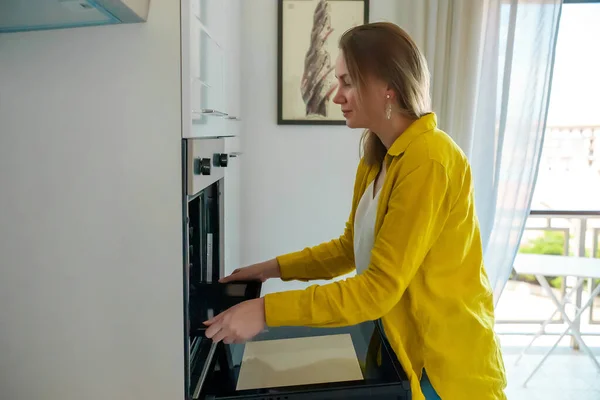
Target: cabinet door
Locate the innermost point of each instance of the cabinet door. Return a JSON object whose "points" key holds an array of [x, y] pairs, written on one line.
{"points": [[232, 206], [232, 81], [208, 106], [203, 67], [212, 14]]}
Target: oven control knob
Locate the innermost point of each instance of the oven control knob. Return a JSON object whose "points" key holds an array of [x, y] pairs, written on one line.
{"points": [[203, 166], [223, 159]]}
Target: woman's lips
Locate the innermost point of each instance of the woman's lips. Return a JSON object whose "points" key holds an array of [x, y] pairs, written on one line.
{"points": [[346, 113]]}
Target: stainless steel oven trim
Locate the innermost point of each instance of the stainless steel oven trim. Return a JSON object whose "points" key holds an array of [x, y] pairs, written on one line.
{"points": [[186, 272], [221, 228], [209, 256]]}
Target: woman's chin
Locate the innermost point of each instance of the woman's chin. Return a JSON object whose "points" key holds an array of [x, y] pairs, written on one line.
{"points": [[351, 123]]}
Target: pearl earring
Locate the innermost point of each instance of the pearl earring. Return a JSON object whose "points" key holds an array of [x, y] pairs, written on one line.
{"points": [[388, 108]]}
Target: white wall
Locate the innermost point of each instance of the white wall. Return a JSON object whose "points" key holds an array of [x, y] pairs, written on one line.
{"points": [[90, 213], [297, 181]]}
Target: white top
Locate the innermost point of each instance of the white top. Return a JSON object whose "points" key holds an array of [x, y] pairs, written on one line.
{"points": [[364, 225]]}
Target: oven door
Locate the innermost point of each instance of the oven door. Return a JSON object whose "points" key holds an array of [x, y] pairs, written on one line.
{"points": [[205, 357], [382, 375]]}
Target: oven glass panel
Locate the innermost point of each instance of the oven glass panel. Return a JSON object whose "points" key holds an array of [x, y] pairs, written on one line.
{"points": [[204, 236], [382, 374]]}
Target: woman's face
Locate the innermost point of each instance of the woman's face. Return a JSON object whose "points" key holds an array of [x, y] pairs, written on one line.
{"points": [[365, 114]]}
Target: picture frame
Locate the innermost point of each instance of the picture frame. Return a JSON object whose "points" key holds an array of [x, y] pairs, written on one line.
{"points": [[309, 30]]}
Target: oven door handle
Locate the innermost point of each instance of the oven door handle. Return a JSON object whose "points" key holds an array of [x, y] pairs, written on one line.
{"points": [[204, 373]]}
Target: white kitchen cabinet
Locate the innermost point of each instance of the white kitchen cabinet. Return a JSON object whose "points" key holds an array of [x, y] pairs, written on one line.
{"points": [[211, 81], [210, 69], [31, 15], [214, 17], [232, 82]]}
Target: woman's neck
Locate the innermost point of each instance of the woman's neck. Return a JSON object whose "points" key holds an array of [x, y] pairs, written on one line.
{"points": [[390, 130]]}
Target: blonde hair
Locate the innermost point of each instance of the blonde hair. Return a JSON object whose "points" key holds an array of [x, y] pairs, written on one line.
{"points": [[385, 51]]}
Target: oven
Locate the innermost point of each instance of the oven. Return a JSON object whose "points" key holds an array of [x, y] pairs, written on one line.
{"points": [[212, 371], [204, 162]]}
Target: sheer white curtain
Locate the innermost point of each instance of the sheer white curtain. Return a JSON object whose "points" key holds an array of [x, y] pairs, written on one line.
{"points": [[491, 65], [527, 43]]}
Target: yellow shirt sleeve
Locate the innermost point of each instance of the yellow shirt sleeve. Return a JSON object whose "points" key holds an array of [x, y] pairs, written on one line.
{"points": [[418, 208]]}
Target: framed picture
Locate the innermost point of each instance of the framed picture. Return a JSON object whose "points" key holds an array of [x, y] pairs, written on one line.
{"points": [[308, 35]]}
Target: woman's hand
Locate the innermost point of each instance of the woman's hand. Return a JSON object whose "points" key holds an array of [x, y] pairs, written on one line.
{"points": [[239, 323], [257, 272]]}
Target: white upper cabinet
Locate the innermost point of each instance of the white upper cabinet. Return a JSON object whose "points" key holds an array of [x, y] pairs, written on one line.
{"points": [[27, 15], [232, 82], [210, 67]]}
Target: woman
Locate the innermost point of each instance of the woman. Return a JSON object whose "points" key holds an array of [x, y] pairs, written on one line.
{"points": [[412, 236]]}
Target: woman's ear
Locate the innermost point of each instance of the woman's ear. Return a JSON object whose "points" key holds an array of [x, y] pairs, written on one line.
{"points": [[390, 94]]}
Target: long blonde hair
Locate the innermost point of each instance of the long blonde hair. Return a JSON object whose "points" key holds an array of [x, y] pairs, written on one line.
{"points": [[384, 50]]}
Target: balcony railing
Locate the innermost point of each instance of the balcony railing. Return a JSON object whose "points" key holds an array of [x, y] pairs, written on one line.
{"points": [[580, 231], [581, 241], [569, 177]]}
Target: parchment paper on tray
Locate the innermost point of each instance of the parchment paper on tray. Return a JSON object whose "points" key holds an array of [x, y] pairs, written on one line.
{"points": [[298, 361]]}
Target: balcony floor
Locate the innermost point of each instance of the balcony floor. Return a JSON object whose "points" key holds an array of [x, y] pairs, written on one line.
{"points": [[566, 375]]}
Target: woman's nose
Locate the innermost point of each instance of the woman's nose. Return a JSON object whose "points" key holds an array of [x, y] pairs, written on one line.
{"points": [[339, 98]]}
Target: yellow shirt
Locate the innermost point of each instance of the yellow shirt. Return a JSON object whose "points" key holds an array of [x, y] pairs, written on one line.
{"points": [[426, 279]]}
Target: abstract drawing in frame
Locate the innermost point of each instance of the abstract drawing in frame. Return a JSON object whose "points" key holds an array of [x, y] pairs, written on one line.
{"points": [[308, 36]]}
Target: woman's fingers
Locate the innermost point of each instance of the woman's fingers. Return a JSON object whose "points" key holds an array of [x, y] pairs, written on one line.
{"points": [[213, 319], [229, 340], [231, 277], [254, 272], [214, 325], [212, 330], [220, 335], [217, 332], [238, 324]]}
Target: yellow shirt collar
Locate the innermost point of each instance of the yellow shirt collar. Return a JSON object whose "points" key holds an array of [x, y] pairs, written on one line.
{"points": [[424, 124]]}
